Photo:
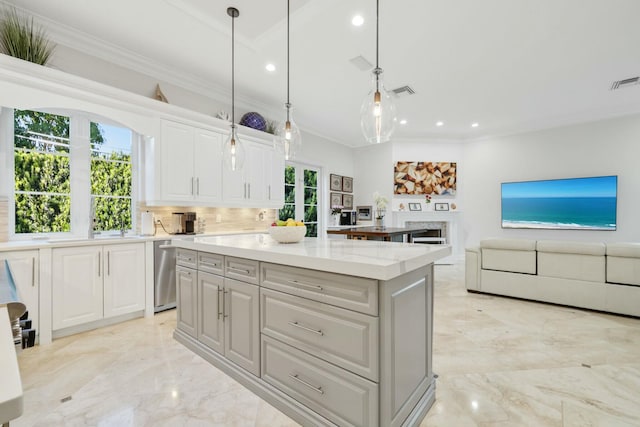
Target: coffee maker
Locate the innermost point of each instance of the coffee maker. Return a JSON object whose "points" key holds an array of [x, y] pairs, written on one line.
{"points": [[184, 223]]}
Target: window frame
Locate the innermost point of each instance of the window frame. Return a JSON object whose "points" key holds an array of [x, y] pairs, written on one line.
{"points": [[299, 188], [80, 171]]}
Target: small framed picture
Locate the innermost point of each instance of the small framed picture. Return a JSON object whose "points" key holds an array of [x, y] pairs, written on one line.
{"points": [[364, 213], [347, 184], [347, 201], [441, 206], [415, 207], [335, 183], [336, 199]]}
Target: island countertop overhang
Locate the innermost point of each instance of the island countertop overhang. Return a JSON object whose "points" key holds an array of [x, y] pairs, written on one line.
{"points": [[362, 258]]}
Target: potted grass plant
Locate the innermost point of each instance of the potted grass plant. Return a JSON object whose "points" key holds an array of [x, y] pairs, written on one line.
{"points": [[20, 38]]}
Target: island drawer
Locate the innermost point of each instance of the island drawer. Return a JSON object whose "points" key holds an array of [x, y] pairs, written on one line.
{"points": [[343, 337], [343, 398], [350, 292], [242, 269], [211, 263], [186, 258]]}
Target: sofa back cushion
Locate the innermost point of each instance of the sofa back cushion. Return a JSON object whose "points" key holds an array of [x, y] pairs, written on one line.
{"points": [[512, 255], [571, 260], [623, 263]]}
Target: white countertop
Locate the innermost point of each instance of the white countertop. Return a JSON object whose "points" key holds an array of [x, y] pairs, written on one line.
{"points": [[11, 405], [363, 258], [16, 245]]}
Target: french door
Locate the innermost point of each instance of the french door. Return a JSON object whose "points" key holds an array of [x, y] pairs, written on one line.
{"points": [[301, 195]]}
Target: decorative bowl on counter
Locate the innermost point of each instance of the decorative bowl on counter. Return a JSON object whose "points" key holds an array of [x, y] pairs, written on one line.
{"points": [[284, 234]]}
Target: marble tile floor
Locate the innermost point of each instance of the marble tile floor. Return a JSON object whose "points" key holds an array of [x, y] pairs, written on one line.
{"points": [[500, 362]]}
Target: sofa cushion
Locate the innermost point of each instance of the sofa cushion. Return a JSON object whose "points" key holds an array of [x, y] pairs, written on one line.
{"points": [[623, 263], [627, 250], [512, 244], [512, 255], [566, 247], [571, 260]]}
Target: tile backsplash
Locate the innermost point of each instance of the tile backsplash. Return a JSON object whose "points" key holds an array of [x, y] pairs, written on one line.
{"points": [[211, 220]]}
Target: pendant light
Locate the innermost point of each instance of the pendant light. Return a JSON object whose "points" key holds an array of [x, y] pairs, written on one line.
{"points": [[288, 133], [378, 111], [233, 151]]}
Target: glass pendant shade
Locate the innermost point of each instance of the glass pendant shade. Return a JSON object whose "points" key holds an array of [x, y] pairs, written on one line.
{"points": [[233, 151], [289, 139], [378, 112]]}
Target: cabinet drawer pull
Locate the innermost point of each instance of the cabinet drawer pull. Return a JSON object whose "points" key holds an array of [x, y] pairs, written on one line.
{"points": [[187, 259], [219, 298], [99, 262], [197, 186], [33, 272], [305, 285], [311, 386], [240, 270], [108, 263], [306, 328], [209, 264]]}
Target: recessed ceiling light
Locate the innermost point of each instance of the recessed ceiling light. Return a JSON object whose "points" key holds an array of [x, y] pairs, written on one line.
{"points": [[357, 20], [270, 67], [403, 121], [440, 123], [475, 125]]}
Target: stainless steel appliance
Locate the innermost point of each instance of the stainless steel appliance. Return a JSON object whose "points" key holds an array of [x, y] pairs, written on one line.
{"points": [[164, 265], [183, 222], [348, 217]]}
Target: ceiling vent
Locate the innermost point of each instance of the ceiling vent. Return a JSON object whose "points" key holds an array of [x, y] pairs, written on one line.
{"points": [[403, 91], [620, 84], [361, 63]]}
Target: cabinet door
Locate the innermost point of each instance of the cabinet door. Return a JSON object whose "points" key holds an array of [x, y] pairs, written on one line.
{"points": [[208, 166], [123, 267], [254, 173], [210, 315], [242, 334], [25, 271], [187, 300], [234, 186], [274, 176], [177, 175], [77, 286]]}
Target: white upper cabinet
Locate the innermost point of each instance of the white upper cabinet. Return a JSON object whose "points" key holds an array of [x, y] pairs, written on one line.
{"points": [[184, 167], [191, 164]]}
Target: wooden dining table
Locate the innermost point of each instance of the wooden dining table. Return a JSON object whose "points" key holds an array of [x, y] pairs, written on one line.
{"points": [[388, 234]]}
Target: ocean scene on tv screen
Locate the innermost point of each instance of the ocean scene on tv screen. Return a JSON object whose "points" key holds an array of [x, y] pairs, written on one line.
{"points": [[575, 204]]}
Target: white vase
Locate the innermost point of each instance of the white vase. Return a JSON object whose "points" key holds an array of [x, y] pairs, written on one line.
{"points": [[379, 222], [335, 219]]}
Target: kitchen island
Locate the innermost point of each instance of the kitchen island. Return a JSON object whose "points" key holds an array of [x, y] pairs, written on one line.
{"points": [[331, 332]]}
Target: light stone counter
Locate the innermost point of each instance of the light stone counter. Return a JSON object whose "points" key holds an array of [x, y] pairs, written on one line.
{"points": [[370, 259]]}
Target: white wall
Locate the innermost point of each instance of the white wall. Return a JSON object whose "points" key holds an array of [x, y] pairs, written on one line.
{"points": [[373, 171], [608, 147]]}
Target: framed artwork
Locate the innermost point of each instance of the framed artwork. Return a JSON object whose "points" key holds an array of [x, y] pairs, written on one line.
{"points": [[336, 199], [335, 184], [441, 206], [347, 184], [436, 178], [415, 207], [347, 201]]}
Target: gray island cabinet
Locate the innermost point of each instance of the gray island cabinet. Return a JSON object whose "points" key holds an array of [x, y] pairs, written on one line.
{"points": [[331, 332]]}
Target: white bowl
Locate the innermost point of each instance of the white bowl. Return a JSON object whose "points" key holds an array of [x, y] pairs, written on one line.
{"points": [[286, 234]]}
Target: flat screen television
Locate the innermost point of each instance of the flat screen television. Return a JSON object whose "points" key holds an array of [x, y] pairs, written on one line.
{"points": [[561, 204]]}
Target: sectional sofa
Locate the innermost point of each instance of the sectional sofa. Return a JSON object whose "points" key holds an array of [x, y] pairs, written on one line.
{"points": [[596, 276]]}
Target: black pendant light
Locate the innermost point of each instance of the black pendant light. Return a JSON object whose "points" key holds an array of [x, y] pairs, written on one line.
{"points": [[233, 151]]}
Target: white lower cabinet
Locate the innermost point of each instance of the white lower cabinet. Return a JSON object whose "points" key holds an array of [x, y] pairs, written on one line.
{"points": [[25, 271], [91, 283]]}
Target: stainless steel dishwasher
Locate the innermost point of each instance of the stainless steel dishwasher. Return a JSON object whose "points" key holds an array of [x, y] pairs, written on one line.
{"points": [[164, 263]]}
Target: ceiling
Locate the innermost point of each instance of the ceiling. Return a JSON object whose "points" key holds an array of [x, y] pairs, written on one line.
{"points": [[509, 65]]}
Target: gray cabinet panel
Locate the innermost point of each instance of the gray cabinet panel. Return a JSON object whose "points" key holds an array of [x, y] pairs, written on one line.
{"points": [[211, 263], [187, 300], [241, 269], [350, 292], [210, 314], [346, 338], [242, 324], [344, 398]]}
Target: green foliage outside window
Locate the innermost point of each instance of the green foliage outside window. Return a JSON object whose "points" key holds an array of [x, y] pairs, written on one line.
{"points": [[43, 180]]}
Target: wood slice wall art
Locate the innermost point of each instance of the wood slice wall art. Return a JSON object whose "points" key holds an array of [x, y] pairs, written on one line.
{"points": [[425, 178]]}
